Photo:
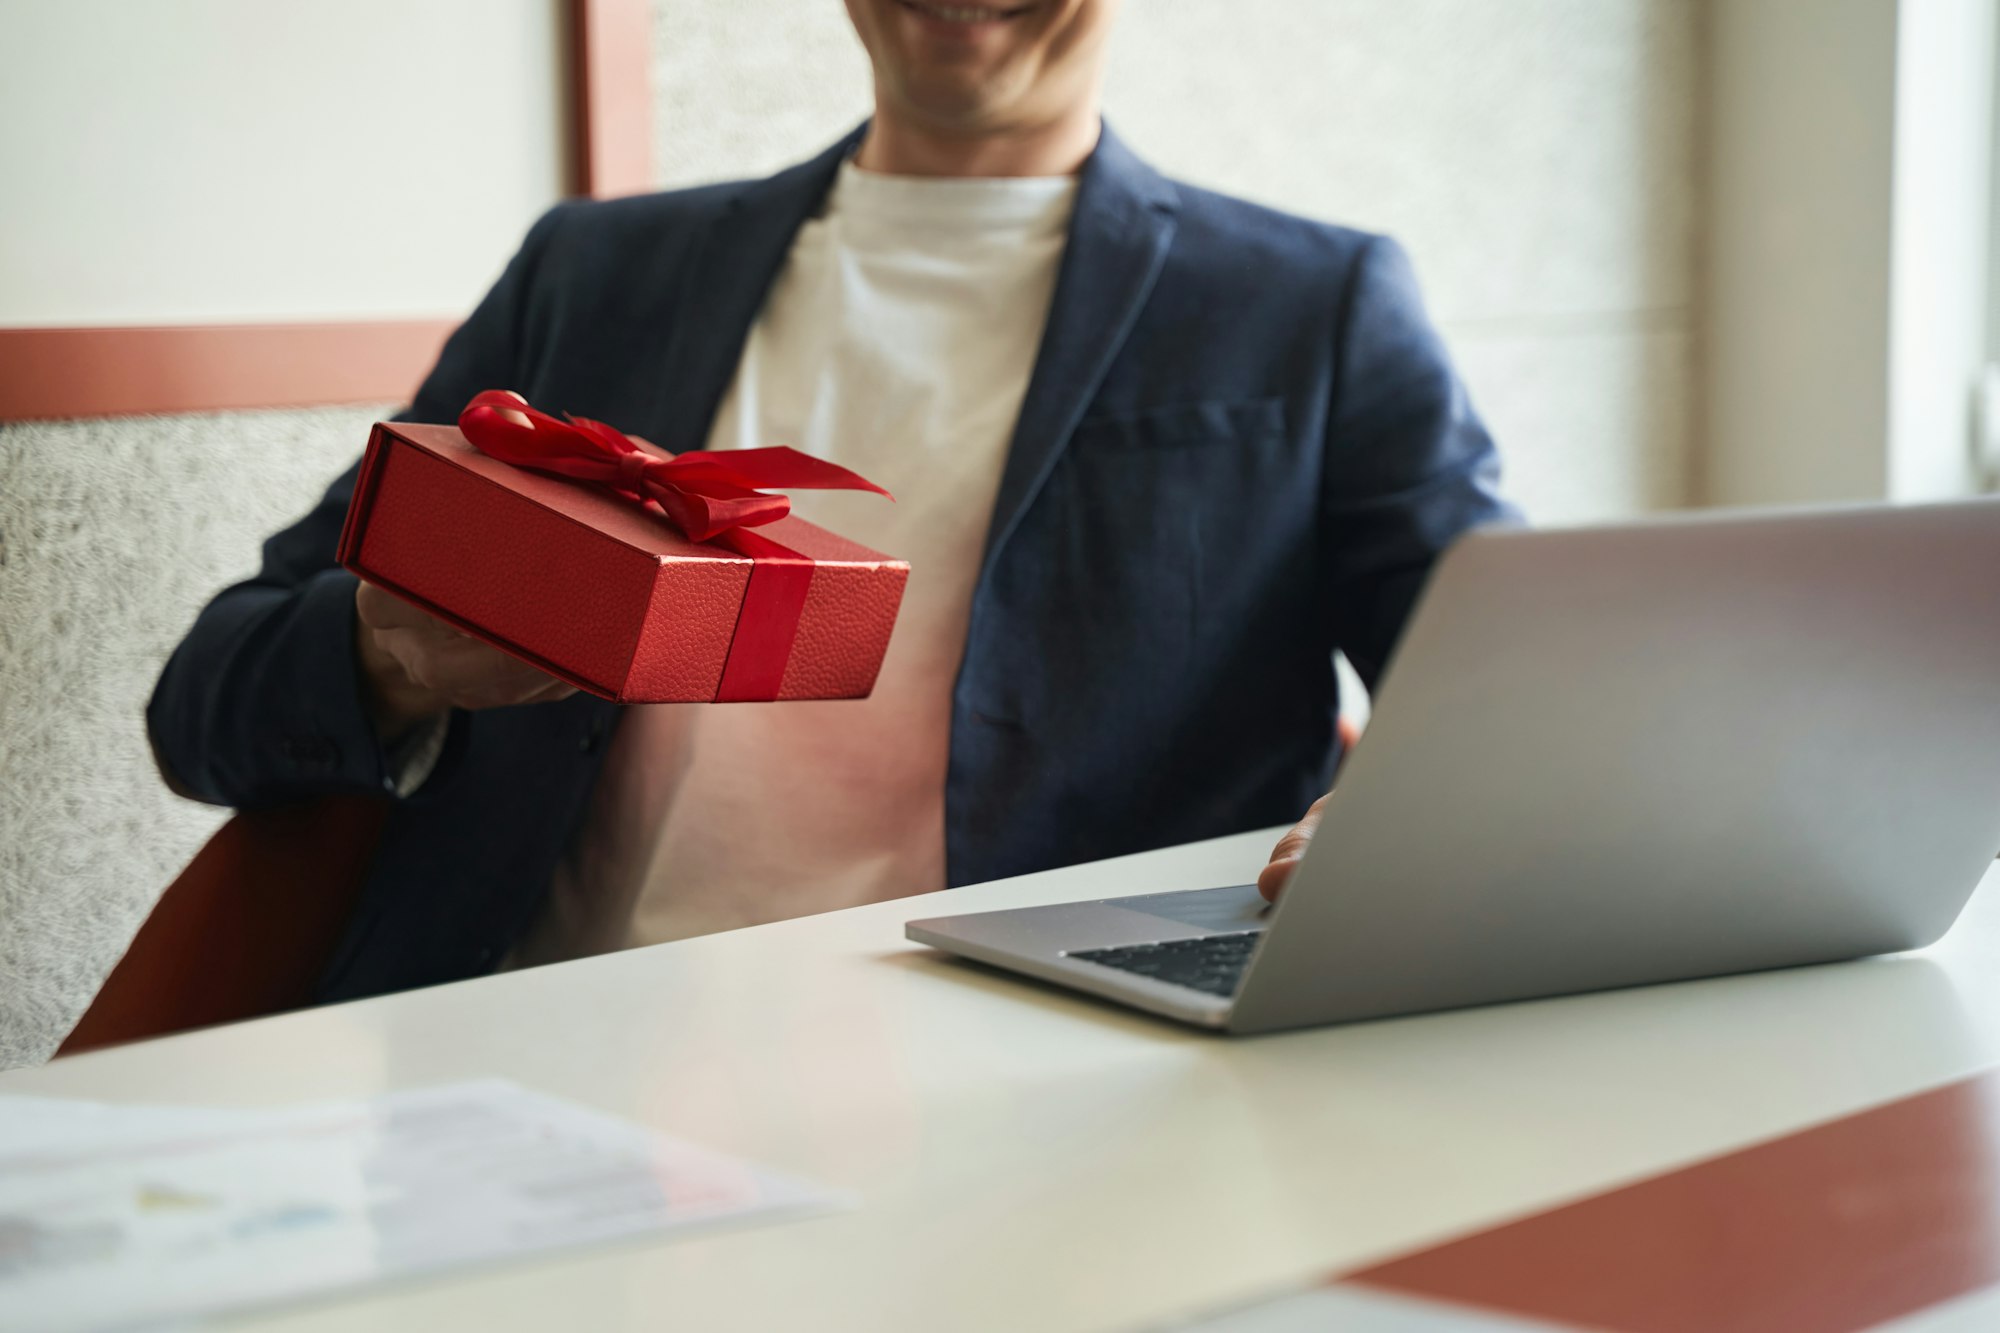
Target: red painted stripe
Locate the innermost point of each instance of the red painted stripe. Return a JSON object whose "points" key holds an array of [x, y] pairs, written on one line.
{"points": [[114, 371], [1835, 1228]]}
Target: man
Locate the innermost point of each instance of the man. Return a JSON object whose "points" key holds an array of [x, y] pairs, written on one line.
{"points": [[1158, 454]]}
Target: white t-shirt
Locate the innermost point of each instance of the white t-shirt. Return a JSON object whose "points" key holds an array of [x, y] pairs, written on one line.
{"points": [[897, 340]]}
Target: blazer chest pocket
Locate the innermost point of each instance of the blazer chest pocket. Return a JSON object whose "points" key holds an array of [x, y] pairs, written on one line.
{"points": [[1184, 426]]}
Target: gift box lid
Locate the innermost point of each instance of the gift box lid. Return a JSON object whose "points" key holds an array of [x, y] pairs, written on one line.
{"points": [[593, 587]]}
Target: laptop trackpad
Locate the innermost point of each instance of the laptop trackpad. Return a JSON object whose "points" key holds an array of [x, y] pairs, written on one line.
{"points": [[1238, 907]]}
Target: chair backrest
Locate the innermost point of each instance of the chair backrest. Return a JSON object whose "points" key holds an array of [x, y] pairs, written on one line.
{"points": [[246, 929]]}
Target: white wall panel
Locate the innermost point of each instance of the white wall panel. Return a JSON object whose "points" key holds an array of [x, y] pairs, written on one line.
{"points": [[1944, 152], [196, 161], [1846, 247]]}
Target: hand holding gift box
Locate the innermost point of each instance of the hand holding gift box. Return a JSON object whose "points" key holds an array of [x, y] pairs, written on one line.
{"points": [[640, 576]]}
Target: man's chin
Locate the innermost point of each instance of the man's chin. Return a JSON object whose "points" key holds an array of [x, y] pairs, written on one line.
{"points": [[963, 105]]}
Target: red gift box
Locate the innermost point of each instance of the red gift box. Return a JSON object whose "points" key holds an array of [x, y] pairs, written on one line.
{"points": [[594, 584]]}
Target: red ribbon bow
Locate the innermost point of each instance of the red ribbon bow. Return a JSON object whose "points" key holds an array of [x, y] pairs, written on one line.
{"points": [[709, 496], [705, 494]]}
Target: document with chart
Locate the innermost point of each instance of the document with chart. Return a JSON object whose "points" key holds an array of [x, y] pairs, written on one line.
{"points": [[111, 1216]]}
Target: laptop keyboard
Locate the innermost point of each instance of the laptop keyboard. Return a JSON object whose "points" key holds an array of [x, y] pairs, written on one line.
{"points": [[1211, 963]]}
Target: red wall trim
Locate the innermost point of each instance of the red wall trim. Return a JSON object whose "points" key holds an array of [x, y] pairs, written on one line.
{"points": [[196, 368], [612, 41], [79, 372]]}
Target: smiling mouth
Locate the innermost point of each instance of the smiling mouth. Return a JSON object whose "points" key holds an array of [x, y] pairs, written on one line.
{"points": [[964, 14]]}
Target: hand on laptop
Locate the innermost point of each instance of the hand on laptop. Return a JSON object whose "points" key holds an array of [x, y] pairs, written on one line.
{"points": [[1285, 856]]}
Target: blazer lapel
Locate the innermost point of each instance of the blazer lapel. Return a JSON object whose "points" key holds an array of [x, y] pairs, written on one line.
{"points": [[730, 271], [1123, 224], [1119, 234]]}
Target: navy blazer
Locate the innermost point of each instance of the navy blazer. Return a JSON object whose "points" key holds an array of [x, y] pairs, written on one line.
{"points": [[1242, 447]]}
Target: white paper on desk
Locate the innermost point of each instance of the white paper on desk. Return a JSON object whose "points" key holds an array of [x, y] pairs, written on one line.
{"points": [[126, 1223], [37, 1124]]}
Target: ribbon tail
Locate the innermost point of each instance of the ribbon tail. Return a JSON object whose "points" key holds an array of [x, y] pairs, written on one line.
{"points": [[779, 467]]}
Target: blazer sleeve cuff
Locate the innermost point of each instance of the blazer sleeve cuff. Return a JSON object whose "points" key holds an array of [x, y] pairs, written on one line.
{"points": [[324, 737]]}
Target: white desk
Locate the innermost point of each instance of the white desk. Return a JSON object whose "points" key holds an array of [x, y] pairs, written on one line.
{"points": [[1030, 1161]]}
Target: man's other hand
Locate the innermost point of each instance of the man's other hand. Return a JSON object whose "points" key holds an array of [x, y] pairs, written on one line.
{"points": [[414, 667], [1277, 872], [1285, 856]]}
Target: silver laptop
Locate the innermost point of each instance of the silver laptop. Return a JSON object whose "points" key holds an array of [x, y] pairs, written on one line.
{"points": [[1608, 757]]}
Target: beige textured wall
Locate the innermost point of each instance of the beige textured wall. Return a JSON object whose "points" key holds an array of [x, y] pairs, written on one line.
{"points": [[112, 534], [1536, 155]]}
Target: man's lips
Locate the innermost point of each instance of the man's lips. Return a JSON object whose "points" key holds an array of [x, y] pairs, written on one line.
{"points": [[964, 14]]}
